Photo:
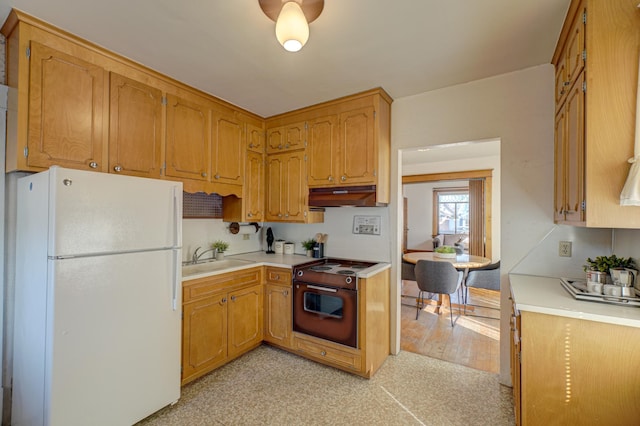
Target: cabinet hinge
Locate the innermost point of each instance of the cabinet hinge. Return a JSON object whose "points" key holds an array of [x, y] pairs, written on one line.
{"points": [[305, 213], [584, 55], [28, 52], [164, 100], [375, 113], [163, 169], [306, 126], [375, 173], [584, 17], [583, 205], [305, 158], [26, 151], [584, 86]]}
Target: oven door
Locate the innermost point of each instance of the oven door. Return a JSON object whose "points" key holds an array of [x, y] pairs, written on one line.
{"points": [[326, 312]]}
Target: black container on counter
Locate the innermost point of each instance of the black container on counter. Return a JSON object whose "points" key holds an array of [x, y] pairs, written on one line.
{"points": [[318, 250]]}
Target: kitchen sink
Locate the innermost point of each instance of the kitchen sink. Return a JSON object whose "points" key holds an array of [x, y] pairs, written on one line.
{"points": [[214, 266]]}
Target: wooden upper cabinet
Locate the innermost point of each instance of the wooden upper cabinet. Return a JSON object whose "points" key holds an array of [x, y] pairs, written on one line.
{"points": [[255, 138], [286, 191], [598, 126], [67, 111], [358, 155], [254, 187], [187, 139], [135, 128], [322, 151], [227, 148], [287, 138]]}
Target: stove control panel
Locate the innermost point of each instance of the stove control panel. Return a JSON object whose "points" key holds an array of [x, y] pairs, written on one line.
{"points": [[367, 225]]}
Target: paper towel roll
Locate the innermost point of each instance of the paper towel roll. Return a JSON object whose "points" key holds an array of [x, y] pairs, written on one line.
{"points": [[247, 229]]}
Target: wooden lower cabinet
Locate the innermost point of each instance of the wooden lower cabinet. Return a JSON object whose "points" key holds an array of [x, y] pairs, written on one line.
{"points": [[575, 371], [227, 315], [222, 319], [278, 298]]}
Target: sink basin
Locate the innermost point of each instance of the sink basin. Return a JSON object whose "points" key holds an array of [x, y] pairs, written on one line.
{"points": [[217, 265]]}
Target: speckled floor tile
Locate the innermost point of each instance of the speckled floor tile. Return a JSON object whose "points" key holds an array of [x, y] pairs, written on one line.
{"points": [[271, 387]]}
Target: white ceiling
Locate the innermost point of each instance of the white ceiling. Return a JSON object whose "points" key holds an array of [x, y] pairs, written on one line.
{"points": [[228, 48]]}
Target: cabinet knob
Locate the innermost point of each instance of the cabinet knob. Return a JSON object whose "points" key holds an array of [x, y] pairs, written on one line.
{"points": [[277, 277], [287, 146], [280, 146], [330, 179], [203, 174], [117, 169], [279, 214], [249, 215], [566, 83], [343, 178], [217, 176], [323, 353], [93, 165], [250, 145], [286, 215], [224, 300], [233, 298], [286, 292]]}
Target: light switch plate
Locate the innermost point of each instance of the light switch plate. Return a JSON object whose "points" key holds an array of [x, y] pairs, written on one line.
{"points": [[367, 225]]}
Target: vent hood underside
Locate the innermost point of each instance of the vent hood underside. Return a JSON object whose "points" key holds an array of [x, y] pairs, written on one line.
{"points": [[358, 196]]}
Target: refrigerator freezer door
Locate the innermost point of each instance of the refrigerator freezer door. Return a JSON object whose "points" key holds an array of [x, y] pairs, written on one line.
{"points": [[114, 351], [93, 213]]}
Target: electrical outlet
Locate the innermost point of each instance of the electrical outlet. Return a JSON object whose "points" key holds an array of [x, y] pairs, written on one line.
{"points": [[246, 236], [564, 249]]}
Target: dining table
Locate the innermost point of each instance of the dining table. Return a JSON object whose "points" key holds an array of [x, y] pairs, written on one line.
{"points": [[463, 262]]}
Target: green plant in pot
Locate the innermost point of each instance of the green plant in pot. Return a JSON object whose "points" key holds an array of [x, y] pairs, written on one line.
{"points": [[308, 246], [220, 247], [445, 251], [598, 269]]}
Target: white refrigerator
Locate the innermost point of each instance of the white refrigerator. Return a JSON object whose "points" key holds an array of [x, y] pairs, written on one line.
{"points": [[97, 337]]}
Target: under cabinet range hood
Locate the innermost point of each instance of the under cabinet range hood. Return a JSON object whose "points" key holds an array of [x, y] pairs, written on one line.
{"points": [[359, 196]]}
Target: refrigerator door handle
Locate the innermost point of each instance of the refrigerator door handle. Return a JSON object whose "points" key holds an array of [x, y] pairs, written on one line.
{"points": [[177, 277], [177, 215]]}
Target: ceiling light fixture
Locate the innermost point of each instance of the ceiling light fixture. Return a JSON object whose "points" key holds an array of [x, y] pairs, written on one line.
{"points": [[292, 20]]}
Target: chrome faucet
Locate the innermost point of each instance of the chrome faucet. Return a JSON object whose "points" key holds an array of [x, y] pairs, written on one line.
{"points": [[196, 256]]}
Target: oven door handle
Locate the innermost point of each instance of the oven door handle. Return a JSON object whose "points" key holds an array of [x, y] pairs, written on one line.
{"points": [[327, 289]]}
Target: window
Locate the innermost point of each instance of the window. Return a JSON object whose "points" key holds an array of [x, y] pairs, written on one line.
{"points": [[451, 207]]}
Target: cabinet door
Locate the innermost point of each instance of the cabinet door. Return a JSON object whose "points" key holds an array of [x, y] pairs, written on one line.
{"points": [[286, 138], [574, 140], [275, 139], [245, 319], [204, 336], [278, 320], [322, 151], [560, 172], [275, 194], [67, 110], [255, 138], [227, 149], [134, 128], [294, 188], [562, 82], [254, 187], [575, 50], [187, 144], [357, 152]]}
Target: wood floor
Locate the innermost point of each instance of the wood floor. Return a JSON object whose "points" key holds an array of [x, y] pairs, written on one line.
{"points": [[473, 341]]}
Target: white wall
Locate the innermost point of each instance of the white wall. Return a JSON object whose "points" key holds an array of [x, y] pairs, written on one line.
{"points": [[202, 232], [517, 108]]}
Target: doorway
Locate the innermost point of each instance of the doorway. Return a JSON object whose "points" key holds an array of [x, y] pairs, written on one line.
{"points": [[473, 341]]}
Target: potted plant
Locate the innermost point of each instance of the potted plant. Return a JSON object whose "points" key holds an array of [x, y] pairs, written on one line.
{"points": [[598, 269], [445, 252], [308, 246], [220, 247]]}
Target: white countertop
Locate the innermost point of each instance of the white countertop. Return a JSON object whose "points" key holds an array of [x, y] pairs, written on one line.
{"points": [[260, 258], [547, 296]]}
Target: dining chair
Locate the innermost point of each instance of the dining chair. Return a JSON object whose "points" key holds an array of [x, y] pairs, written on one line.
{"points": [[487, 277], [437, 277]]}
